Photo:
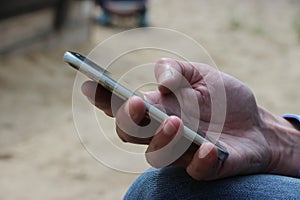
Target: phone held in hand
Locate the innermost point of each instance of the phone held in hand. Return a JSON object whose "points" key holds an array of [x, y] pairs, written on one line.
{"points": [[100, 75]]}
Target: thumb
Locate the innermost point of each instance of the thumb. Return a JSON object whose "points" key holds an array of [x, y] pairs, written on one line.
{"points": [[172, 74]]}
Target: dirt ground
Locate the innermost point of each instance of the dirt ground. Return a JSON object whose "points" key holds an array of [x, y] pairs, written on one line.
{"points": [[41, 156]]}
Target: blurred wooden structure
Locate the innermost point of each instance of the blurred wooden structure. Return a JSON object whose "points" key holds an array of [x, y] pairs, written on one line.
{"points": [[13, 8], [25, 24]]}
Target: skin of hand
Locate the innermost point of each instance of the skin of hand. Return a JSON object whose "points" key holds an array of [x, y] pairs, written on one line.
{"points": [[257, 141]]}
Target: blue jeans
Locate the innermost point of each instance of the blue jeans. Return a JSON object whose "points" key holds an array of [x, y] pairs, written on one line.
{"points": [[175, 183]]}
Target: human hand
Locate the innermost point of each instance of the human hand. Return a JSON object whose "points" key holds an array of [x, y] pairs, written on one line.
{"points": [[247, 130]]}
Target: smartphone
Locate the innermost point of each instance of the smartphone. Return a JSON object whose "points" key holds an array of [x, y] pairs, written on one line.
{"points": [[100, 75]]}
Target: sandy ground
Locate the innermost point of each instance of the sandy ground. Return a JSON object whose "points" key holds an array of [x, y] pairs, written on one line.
{"points": [[41, 156]]}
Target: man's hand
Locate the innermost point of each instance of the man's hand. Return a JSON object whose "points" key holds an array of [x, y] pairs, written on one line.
{"points": [[256, 140]]}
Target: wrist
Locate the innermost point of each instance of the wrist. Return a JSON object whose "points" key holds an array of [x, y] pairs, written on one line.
{"points": [[284, 143]]}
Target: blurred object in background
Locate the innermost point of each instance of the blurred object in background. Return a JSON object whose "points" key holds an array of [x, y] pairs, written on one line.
{"points": [[123, 9], [13, 8], [42, 23]]}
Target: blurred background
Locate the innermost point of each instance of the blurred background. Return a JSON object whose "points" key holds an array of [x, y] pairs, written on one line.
{"points": [[41, 156]]}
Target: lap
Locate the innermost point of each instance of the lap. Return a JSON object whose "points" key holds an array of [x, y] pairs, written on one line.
{"points": [[175, 183]]}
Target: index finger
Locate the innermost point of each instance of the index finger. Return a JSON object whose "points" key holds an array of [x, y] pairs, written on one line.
{"points": [[101, 97]]}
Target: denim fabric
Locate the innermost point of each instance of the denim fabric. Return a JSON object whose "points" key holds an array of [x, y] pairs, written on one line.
{"points": [[174, 183], [292, 116], [294, 119]]}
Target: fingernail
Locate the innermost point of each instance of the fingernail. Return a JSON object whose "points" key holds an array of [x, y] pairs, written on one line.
{"points": [[147, 97], [91, 100], [169, 128], [144, 95], [166, 75], [130, 111], [126, 108], [204, 150]]}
